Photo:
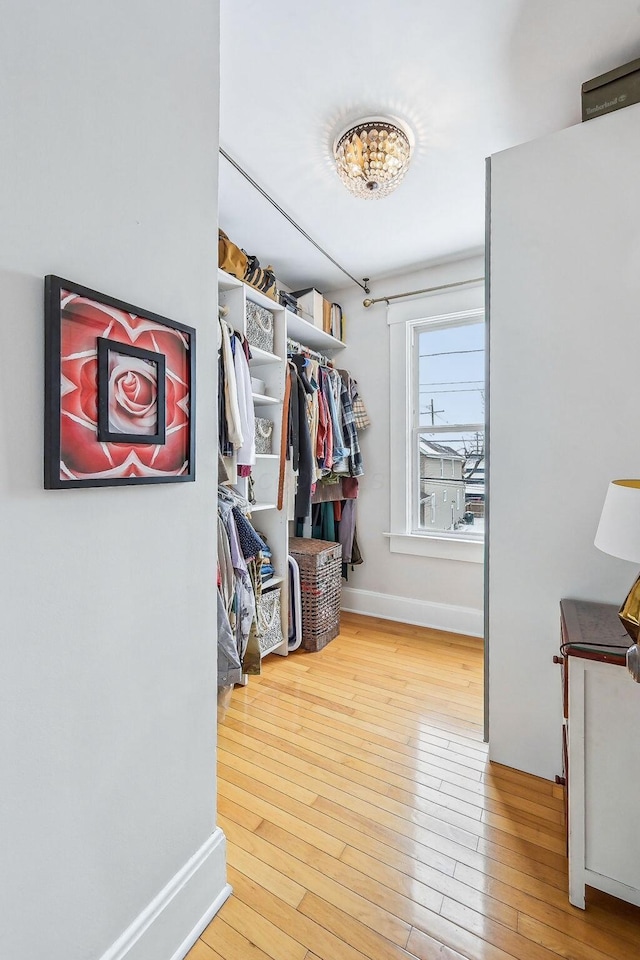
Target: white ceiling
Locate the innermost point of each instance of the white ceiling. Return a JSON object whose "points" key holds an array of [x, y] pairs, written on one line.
{"points": [[471, 78]]}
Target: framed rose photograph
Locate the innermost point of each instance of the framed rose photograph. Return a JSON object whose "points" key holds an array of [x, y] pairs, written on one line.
{"points": [[119, 392]]}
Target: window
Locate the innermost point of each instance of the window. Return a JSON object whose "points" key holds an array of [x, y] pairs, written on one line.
{"points": [[437, 488], [446, 398]]}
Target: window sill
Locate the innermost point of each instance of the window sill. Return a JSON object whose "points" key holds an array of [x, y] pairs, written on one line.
{"points": [[442, 548]]}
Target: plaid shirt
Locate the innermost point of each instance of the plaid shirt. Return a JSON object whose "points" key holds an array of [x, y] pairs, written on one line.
{"points": [[359, 411], [356, 468], [360, 414]]}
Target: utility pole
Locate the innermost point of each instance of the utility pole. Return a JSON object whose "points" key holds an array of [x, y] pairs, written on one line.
{"points": [[432, 412]]}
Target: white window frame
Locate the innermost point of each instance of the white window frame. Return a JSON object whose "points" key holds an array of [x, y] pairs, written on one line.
{"points": [[403, 536]]}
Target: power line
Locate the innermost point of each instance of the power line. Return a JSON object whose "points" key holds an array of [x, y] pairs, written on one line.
{"points": [[441, 436], [466, 390], [448, 383], [451, 353]]}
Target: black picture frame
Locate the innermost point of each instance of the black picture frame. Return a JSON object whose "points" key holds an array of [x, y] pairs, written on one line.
{"points": [[105, 435], [80, 449]]}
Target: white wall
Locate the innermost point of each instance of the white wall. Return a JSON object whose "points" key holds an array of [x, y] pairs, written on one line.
{"points": [[565, 342], [442, 593], [108, 151]]}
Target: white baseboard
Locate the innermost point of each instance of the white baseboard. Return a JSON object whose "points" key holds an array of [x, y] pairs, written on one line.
{"points": [[169, 926], [202, 923], [422, 613]]}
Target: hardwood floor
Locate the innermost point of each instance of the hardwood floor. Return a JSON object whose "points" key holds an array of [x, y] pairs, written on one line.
{"points": [[364, 821]]}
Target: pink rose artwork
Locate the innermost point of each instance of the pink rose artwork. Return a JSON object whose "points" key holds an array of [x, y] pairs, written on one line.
{"points": [[133, 394]]}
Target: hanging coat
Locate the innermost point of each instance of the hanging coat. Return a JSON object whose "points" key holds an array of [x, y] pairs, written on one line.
{"points": [[232, 411], [247, 449], [300, 437]]}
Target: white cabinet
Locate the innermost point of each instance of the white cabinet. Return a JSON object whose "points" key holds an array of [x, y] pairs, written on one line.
{"points": [[604, 781], [602, 727]]}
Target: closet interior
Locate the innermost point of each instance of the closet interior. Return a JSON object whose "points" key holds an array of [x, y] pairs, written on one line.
{"points": [[289, 467]]}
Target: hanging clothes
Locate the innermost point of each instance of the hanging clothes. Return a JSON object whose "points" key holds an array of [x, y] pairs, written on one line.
{"points": [[226, 573], [300, 436], [355, 467], [242, 555], [224, 442], [246, 453], [223, 473], [230, 389], [347, 529], [329, 380], [251, 543], [360, 414], [312, 370], [321, 447], [323, 522], [229, 666], [324, 438], [243, 610]]}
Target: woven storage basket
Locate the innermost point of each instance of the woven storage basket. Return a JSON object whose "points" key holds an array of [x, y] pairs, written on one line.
{"points": [[320, 563], [269, 625], [259, 326], [264, 435]]}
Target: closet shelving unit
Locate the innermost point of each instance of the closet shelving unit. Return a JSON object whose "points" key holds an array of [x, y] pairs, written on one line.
{"points": [[309, 336], [271, 368]]}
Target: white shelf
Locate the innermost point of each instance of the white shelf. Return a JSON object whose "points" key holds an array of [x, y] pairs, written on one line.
{"points": [[261, 399], [273, 582], [259, 356], [256, 297], [255, 507], [309, 336], [267, 456], [227, 282]]}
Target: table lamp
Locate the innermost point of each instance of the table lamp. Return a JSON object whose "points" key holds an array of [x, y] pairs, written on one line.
{"points": [[618, 534]]}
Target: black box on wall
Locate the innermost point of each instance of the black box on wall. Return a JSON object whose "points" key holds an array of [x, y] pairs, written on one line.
{"points": [[611, 91]]}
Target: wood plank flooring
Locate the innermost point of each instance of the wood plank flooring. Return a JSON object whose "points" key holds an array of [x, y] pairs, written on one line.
{"points": [[364, 822]]}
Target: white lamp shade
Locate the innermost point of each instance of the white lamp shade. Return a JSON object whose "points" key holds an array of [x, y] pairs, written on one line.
{"points": [[619, 529]]}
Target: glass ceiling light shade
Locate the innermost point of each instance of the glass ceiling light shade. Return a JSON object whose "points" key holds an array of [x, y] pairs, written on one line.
{"points": [[372, 156]]}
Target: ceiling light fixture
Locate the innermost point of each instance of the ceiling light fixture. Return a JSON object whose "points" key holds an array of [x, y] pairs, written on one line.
{"points": [[372, 156]]}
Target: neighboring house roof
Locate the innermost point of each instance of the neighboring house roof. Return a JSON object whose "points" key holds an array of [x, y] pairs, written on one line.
{"points": [[439, 451]]}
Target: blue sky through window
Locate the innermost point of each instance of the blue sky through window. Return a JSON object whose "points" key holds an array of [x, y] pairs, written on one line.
{"points": [[451, 375]]}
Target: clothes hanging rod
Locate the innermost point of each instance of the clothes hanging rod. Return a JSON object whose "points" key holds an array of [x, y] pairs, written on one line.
{"points": [[414, 293], [249, 179], [293, 346]]}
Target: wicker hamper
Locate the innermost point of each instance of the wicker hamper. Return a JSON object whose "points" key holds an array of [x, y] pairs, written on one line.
{"points": [[320, 563]]}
